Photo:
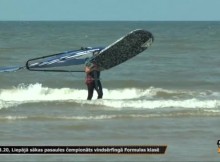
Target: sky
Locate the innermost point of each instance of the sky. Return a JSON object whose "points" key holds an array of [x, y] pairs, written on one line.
{"points": [[110, 10]]}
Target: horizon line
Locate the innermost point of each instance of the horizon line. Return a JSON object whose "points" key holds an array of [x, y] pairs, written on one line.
{"points": [[109, 20]]}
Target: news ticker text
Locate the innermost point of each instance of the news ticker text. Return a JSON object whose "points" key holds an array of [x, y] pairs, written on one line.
{"points": [[83, 149]]}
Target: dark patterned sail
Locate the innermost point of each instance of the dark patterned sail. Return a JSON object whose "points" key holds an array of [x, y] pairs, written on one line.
{"points": [[123, 49]]}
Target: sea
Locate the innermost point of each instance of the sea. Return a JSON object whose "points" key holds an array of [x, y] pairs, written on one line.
{"points": [[167, 95]]}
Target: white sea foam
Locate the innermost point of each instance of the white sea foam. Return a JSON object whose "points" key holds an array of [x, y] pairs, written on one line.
{"points": [[98, 117], [36, 92]]}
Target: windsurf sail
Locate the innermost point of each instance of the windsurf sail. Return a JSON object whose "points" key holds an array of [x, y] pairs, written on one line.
{"points": [[61, 62], [58, 62], [11, 68]]}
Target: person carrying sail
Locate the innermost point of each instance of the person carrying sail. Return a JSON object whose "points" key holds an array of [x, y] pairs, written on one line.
{"points": [[93, 80]]}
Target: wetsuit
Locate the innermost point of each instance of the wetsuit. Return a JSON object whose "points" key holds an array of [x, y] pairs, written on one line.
{"points": [[93, 82]]}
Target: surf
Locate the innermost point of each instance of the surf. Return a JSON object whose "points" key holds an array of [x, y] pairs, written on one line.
{"points": [[124, 98]]}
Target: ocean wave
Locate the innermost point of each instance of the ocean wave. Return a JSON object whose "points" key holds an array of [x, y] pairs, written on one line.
{"points": [[7, 104], [211, 113], [36, 92], [155, 104], [149, 98], [13, 117]]}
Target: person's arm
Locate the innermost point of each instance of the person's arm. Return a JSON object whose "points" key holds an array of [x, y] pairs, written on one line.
{"points": [[87, 69]]}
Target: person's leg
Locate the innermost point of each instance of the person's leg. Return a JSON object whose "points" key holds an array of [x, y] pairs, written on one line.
{"points": [[99, 89], [90, 90]]}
